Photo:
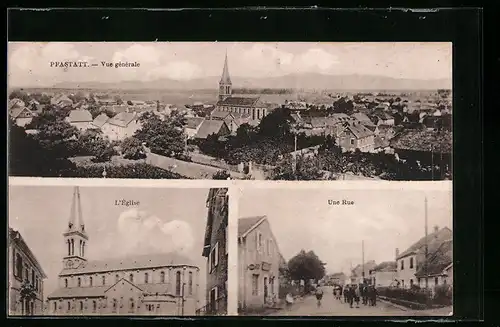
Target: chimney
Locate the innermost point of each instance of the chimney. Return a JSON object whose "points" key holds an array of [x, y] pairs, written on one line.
{"points": [[397, 253], [436, 228]]}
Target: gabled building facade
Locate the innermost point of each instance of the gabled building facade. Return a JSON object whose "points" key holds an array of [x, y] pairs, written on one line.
{"points": [[215, 251]]}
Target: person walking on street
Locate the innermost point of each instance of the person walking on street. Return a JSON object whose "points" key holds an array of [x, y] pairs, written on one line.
{"points": [[357, 295], [319, 295]]}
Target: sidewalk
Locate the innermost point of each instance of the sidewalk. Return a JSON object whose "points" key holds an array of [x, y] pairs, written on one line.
{"points": [[445, 311]]}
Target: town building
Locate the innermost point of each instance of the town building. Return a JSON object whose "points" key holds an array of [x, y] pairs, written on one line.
{"points": [[192, 126], [100, 120], [361, 272], [81, 119], [215, 249], [212, 127], [121, 126], [356, 136], [61, 101], [155, 284], [22, 116], [252, 106], [259, 260], [412, 266], [384, 274], [439, 270], [336, 278], [25, 278]]}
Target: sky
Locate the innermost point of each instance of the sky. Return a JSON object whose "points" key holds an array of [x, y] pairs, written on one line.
{"points": [[384, 220], [165, 220], [29, 63]]}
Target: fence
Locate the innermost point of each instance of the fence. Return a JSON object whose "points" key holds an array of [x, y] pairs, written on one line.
{"points": [[217, 308]]}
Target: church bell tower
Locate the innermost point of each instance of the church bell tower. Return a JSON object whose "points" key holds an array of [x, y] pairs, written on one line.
{"points": [[75, 237], [225, 85]]}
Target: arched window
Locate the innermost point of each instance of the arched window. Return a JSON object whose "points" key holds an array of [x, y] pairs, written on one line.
{"points": [[131, 278], [81, 305], [117, 278], [91, 281], [115, 304], [162, 277], [65, 282], [94, 306], [146, 278], [190, 283], [411, 263], [132, 305], [55, 306], [79, 282], [19, 266], [72, 247], [69, 247], [69, 306], [103, 280], [178, 283]]}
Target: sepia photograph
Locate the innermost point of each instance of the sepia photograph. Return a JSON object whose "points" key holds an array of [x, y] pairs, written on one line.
{"points": [[127, 251], [231, 110], [346, 252]]}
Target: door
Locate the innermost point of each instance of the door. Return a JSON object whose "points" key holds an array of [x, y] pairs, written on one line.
{"points": [[212, 300], [265, 289]]}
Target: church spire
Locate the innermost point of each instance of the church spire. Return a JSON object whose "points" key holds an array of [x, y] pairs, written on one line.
{"points": [[76, 217], [225, 79]]}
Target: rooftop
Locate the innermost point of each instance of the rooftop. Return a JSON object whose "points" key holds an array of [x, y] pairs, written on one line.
{"points": [[423, 140], [239, 101], [245, 224], [209, 127], [434, 240], [80, 116], [122, 119]]}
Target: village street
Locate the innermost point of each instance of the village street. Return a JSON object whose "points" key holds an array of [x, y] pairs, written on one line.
{"points": [[332, 307]]}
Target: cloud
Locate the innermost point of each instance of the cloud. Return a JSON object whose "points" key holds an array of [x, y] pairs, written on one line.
{"points": [[144, 54], [140, 232], [178, 70]]}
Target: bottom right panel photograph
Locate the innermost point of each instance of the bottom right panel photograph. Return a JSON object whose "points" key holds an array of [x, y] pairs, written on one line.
{"points": [[384, 251]]}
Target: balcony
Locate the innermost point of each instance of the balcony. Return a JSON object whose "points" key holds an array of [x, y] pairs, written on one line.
{"points": [[217, 308]]}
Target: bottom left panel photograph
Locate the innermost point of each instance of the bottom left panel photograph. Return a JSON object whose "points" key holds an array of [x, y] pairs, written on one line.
{"points": [[85, 250]]}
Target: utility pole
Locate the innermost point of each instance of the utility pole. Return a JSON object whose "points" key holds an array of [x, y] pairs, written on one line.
{"points": [[182, 299], [426, 247], [295, 156], [363, 259]]}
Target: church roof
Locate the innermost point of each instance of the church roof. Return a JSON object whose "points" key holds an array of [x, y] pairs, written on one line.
{"points": [[239, 101], [130, 263], [225, 79], [76, 222]]}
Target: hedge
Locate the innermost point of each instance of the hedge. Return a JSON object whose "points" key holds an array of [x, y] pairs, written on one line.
{"points": [[139, 170], [442, 295]]}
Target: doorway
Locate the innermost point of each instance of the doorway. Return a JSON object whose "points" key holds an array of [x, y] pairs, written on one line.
{"points": [[265, 290], [212, 300]]}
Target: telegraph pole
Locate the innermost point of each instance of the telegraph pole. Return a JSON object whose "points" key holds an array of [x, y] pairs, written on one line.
{"points": [[363, 259], [426, 247]]}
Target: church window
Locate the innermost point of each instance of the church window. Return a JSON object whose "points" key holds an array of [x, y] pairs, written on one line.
{"points": [[81, 305], [131, 278], [190, 283], [162, 277], [146, 278], [72, 247], [79, 282], [115, 304], [90, 281], [69, 306], [103, 280], [69, 247], [178, 283], [117, 278], [65, 282], [94, 306], [55, 306], [19, 266], [132, 305]]}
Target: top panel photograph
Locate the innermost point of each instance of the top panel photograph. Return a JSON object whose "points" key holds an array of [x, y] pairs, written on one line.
{"points": [[218, 110]]}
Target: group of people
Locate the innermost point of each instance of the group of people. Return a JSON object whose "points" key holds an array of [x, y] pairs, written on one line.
{"points": [[354, 293]]}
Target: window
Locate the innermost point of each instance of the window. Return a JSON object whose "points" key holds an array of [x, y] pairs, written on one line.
{"points": [[214, 256], [411, 282], [19, 266], [146, 278], [115, 304], [402, 264], [69, 306], [91, 281], [352, 141], [117, 278], [402, 282], [162, 277], [26, 274], [178, 283], [259, 242], [103, 280], [190, 283], [33, 277], [418, 281], [79, 282], [81, 305], [65, 282], [36, 283], [132, 305], [411, 263], [255, 284], [55, 306], [436, 281], [131, 278], [94, 306]]}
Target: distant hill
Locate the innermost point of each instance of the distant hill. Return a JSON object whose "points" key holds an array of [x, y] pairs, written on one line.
{"points": [[291, 81]]}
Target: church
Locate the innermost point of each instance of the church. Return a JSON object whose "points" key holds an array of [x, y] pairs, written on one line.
{"points": [[156, 284], [241, 106]]}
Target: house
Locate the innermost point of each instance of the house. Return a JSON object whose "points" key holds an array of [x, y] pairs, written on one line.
{"points": [[22, 116], [243, 105], [100, 120], [61, 101], [192, 126], [13, 103], [382, 118], [24, 271], [336, 279], [386, 132], [215, 250], [151, 284], [439, 270], [121, 126], [362, 118], [259, 261], [362, 271], [356, 136], [411, 261], [210, 127], [228, 117], [384, 274], [81, 119]]}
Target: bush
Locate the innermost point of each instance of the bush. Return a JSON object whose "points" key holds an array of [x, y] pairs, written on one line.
{"points": [[221, 175], [140, 170], [132, 148], [418, 296], [443, 295]]}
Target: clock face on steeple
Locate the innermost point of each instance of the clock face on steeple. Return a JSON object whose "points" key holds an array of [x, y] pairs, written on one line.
{"points": [[69, 264]]}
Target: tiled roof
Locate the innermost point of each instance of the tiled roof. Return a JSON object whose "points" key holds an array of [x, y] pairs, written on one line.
{"points": [[220, 114], [100, 120], [78, 292], [359, 131], [123, 119], [386, 266], [17, 111], [438, 260], [193, 122], [77, 116], [16, 103], [423, 140], [209, 127], [238, 101], [131, 262], [381, 143], [362, 117], [434, 240], [244, 224]]}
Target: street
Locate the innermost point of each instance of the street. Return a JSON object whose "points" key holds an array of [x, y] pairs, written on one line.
{"points": [[332, 307]]}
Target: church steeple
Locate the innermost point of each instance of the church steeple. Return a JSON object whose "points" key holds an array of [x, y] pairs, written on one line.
{"points": [[75, 236], [225, 85]]}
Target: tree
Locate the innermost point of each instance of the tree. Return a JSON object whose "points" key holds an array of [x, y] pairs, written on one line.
{"points": [[344, 106], [132, 148], [302, 168], [277, 124], [27, 294], [164, 137], [118, 100], [306, 266], [20, 94], [222, 175], [245, 134], [57, 136]]}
